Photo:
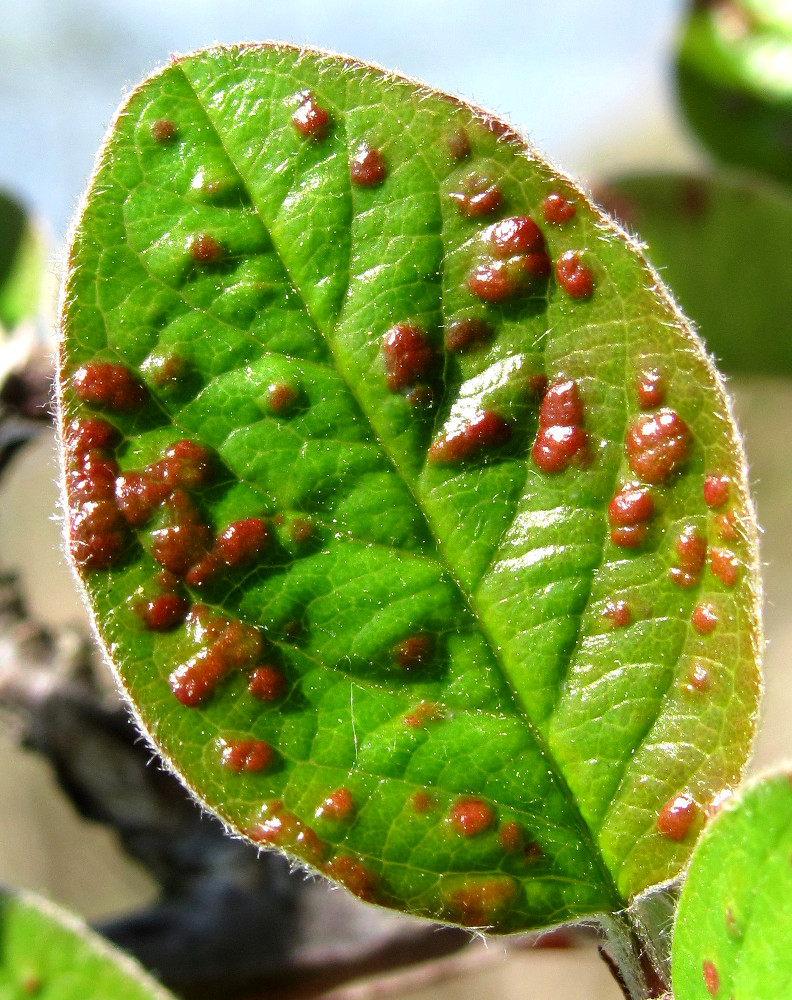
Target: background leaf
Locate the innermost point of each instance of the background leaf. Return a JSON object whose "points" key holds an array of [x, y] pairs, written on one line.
{"points": [[721, 244], [734, 74], [735, 915], [22, 255], [311, 313], [50, 954]]}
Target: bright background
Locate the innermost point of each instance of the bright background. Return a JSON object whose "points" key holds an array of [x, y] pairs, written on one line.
{"points": [[587, 79]]}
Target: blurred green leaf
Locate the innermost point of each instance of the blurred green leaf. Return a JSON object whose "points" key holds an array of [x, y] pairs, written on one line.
{"points": [[722, 244], [734, 921], [22, 256], [734, 74], [51, 955], [395, 636]]}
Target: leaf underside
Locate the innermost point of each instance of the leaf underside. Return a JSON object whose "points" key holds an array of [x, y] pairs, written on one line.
{"points": [[735, 915], [413, 657], [734, 76], [49, 954], [720, 243]]}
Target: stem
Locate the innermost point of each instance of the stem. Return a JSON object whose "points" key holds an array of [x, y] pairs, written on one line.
{"points": [[637, 947]]}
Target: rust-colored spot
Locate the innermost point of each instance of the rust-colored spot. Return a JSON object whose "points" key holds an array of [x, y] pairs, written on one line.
{"points": [[353, 875], [267, 683], [618, 613], [138, 496], [166, 372], [242, 541], [368, 167], [478, 901], [716, 490], [425, 711], [185, 464], [518, 234], [558, 210], [725, 565], [511, 836], [561, 405], [726, 526], [184, 538], [556, 447], [300, 530], [281, 397], [631, 505], [698, 677], [487, 431], [204, 249], [575, 277], [711, 977], [89, 434], [163, 612], [103, 383], [246, 755], [650, 388], [339, 806], [691, 553], [227, 645], [479, 196], [163, 130], [731, 924], [310, 119], [421, 802], [467, 334], [408, 355], [458, 145], [657, 445], [497, 281], [676, 817], [415, 651], [92, 477], [471, 816], [704, 618], [279, 827], [561, 437]]}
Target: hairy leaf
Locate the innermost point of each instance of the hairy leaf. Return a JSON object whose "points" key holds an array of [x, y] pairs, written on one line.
{"points": [[720, 243], [50, 954], [385, 599], [734, 74], [735, 915]]}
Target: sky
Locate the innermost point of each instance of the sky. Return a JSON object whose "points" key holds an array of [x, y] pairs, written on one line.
{"points": [[587, 79]]}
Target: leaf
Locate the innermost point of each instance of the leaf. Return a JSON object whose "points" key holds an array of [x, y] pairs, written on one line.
{"points": [[731, 937], [22, 256], [50, 954], [395, 637], [734, 76], [721, 244]]}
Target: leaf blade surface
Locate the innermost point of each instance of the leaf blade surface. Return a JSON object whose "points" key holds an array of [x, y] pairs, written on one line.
{"points": [[434, 601]]}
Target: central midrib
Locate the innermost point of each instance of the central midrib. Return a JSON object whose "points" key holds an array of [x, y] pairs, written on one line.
{"points": [[543, 747]]}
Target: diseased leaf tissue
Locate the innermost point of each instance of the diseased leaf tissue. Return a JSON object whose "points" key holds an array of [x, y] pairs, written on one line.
{"points": [[410, 511]]}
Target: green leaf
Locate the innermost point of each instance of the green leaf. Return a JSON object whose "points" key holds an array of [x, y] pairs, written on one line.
{"points": [[734, 75], [22, 254], [721, 244], [734, 921], [413, 657], [51, 955]]}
